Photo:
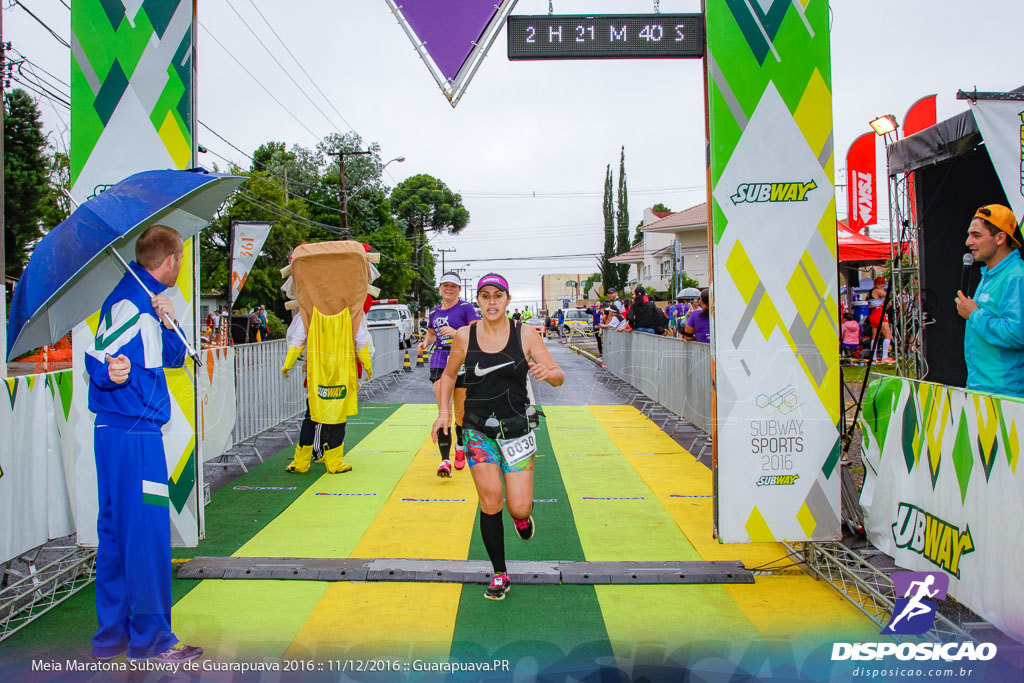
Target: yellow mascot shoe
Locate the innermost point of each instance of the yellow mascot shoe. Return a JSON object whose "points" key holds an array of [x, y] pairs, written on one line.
{"points": [[300, 461], [334, 460]]}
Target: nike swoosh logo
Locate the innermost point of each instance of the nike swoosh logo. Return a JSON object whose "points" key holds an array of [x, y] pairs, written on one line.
{"points": [[480, 372]]}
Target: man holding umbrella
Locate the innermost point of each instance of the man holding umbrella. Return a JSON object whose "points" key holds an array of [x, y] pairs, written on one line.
{"points": [[134, 342]]}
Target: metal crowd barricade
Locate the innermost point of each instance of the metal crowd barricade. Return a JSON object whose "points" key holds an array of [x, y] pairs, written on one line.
{"points": [[266, 398], [673, 372], [387, 357]]}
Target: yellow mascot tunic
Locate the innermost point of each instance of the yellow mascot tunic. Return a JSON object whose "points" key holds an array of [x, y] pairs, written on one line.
{"points": [[331, 368]]}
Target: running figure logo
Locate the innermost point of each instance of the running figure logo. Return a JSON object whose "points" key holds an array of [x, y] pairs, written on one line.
{"points": [[913, 613]]}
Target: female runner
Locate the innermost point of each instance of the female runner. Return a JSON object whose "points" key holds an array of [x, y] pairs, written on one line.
{"points": [[498, 418], [445, 320]]}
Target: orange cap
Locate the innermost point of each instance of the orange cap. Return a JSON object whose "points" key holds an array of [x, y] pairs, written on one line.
{"points": [[1001, 217]]}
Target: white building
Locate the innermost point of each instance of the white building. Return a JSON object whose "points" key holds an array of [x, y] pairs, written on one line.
{"points": [[683, 232]]}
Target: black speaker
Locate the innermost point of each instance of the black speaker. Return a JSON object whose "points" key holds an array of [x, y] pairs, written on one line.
{"points": [[947, 196]]}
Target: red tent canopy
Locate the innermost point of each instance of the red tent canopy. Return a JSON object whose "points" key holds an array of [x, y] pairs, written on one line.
{"points": [[855, 246]]}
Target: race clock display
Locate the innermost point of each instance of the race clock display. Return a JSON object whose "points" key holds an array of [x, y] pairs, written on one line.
{"points": [[608, 36]]}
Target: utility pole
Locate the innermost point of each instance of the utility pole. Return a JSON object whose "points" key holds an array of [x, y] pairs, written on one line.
{"points": [[341, 179], [443, 252]]}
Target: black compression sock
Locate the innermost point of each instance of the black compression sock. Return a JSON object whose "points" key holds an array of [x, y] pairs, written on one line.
{"points": [[458, 435], [493, 531], [444, 441]]}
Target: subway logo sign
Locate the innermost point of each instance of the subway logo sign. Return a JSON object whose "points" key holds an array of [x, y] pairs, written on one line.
{"points": [[332, 393]]}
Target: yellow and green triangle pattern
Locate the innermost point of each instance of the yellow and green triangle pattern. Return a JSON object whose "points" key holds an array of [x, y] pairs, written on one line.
{"points": [[771, 171]]}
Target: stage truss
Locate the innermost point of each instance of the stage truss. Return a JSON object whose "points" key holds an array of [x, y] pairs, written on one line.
{"points": [[905, 279], [868, 588]]}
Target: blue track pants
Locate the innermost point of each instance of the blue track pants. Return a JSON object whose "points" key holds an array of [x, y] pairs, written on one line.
{"points": [[133, 563]]}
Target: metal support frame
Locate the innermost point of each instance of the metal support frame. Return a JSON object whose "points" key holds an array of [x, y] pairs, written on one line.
{"points": [[905, 280], [869, 589], [43, 588]]}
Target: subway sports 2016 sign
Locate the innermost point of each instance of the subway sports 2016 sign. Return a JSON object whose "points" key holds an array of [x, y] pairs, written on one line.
{"points": [[776, 330]]}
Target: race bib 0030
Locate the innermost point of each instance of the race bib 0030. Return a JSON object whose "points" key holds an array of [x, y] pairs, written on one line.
{"points": [[516, 450]]}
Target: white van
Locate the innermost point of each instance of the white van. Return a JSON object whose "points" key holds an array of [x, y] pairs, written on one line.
{"points": [[390, 313]]}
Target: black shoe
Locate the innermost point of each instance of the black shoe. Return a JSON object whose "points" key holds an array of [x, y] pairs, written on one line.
{"points": [[525, 527], [499, 586]]}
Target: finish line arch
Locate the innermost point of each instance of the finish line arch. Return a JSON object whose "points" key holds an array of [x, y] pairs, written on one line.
{"points": [[775, 368]]}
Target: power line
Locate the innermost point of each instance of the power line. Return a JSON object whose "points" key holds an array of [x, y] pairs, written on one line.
{"points": [[276, 61], [272, 96], [527, 258], [282, 211], [43, 24], [296, 60], [575, 194], [24, 78], [37, 66], [29, 85], [262, 167]]}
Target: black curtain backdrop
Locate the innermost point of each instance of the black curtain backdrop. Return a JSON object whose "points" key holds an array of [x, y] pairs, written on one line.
{"points": [[947, 196]]}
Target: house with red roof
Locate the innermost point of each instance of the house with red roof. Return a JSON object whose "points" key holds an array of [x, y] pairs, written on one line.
{"points": [[652, 260]]}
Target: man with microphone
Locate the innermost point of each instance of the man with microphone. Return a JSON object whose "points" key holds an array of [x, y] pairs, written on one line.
{"points": [[994, 339]]}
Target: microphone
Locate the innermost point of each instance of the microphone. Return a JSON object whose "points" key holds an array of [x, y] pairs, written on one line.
{"points": [[965, 277]]}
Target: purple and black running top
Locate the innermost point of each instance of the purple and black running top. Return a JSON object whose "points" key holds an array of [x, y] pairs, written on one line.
{"points": [[459, 315]]}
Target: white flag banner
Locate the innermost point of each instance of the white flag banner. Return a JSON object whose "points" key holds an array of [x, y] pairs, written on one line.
{"points": [[1001, 123], [249, 239]]}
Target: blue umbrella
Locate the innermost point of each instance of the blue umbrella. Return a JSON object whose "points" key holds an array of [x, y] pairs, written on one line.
{"points": [[78, 263]]}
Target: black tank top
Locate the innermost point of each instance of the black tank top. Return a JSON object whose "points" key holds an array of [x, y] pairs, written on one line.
{"points": [[496, 382]]}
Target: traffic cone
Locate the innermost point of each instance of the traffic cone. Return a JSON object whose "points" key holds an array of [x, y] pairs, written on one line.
{"points": [[407, 367], [419, 359]]}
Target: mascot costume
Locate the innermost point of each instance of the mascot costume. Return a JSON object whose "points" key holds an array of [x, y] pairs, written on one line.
{"points": [[329, 290]]}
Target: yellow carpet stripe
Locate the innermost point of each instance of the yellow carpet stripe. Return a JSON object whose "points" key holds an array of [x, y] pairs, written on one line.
{"points": [[668, 469], [405, 620], [659, 617], [592, 467], [245, 620], [331, 525], [773, 606]]}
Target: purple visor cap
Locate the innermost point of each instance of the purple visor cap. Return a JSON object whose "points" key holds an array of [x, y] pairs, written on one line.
{"points": [[494, 280]]}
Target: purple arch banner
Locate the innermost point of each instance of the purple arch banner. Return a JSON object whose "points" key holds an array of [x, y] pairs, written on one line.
{"points": [[452, 37]]}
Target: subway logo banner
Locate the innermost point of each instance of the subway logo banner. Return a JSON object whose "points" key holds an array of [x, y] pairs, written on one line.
{"points": [[773, 244], [944, 490], [132, 75]]}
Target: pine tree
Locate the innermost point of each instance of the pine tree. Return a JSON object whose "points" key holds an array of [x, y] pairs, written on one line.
{"points": [[609, 272], [622, 219], [25, 178]]}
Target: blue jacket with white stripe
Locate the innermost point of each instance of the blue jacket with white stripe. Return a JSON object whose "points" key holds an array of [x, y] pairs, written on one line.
{"points": [[128, 325]]}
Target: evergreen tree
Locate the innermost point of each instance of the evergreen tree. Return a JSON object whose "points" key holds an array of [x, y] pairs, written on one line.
{"points": [[622, 218], [426, 204], [609, 273], [25, 178]]}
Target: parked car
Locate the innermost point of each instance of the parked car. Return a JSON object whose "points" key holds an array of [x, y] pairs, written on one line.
{"points": [[577, 320], [390, 313]]}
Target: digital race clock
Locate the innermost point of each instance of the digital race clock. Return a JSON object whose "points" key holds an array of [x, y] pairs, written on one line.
{"points": [[607, 36]]}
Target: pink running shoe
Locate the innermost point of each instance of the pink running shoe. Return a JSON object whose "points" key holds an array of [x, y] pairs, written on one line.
{"points": [[499, 586], [525, 527], [460, 458], [444, 470]]}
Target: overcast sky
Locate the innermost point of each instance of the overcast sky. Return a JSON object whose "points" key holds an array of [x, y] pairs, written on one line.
{"points": [[545, 127]]}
